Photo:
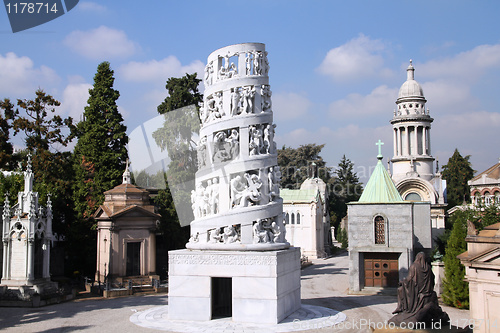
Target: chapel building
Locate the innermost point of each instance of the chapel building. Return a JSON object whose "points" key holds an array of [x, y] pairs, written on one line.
{"points": [[385, 232]]}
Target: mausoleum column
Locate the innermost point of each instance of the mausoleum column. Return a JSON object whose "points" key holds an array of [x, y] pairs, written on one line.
{"points": [[415, 148], [407, 142], [400, 152], [395, 131], [424, 143], [29, 273], [429, 140], [5, 266], [46, 258]]}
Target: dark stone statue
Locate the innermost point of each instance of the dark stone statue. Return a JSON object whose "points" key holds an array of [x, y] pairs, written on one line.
{"points": [[417, 300]]}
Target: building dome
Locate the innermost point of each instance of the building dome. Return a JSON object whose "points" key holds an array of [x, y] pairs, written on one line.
{"points": [[410, 88]]}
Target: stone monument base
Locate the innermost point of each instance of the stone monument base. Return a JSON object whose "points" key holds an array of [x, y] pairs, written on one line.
{"points": [[249, 286]]}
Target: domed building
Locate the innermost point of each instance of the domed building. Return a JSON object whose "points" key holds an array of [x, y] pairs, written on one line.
{"points": [[412, 163]]}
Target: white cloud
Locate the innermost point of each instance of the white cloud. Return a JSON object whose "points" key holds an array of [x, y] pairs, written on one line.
{"points": [[361, 57], [449, 97], [289, 106], [19, 76], [159, 71], [470, 133], [89, 6], [74, 100], [380, 102], [466, 65], [101, 43]]}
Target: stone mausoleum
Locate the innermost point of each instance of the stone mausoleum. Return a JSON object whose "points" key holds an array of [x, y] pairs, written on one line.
{"points": [[27, 239], [126, 240], [307, 220], [237, 263], [385, 232]]}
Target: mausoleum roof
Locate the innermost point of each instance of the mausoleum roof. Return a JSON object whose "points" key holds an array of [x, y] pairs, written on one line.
{"points": [[410, 88], [300, 196], [380, 187]]}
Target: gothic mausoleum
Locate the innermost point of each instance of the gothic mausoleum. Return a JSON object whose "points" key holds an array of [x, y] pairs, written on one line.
{"points": [[27, 239]]}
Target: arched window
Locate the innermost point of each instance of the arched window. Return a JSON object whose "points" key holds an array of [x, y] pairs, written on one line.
{"points": [[293, 218], [379, 230], [287, 218], [497, 198], [487, 198], [298, 218], [413, 197]]}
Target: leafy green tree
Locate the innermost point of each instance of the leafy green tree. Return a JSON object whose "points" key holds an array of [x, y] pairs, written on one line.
{"points": [[295, 164], [44, 133], [457, 172], [345, 187], [6, 148], [182, 120], [180, 108], [10, 185], [101, 152]]}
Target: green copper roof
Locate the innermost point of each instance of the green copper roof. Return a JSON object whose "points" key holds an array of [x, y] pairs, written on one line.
{"points": [[299, 195], [380, 187]]}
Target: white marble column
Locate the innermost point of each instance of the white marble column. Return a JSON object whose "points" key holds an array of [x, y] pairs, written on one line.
{"points": [[415, 145], [429, 139], [29, 273], [46, 259], [400, 152], [395, 138], [424, 140], [407, 142], [5, 266]]}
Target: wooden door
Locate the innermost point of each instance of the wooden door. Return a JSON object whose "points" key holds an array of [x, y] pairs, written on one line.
{"points": [[381, 269]]}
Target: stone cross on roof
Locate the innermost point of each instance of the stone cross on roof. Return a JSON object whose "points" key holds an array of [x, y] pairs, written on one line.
{"points": [[379, 144]]}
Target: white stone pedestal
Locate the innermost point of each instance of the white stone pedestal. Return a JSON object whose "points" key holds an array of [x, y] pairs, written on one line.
{"points": [[265, 285]]}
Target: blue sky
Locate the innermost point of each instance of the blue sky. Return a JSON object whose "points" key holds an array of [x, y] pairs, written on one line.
{"points": [[336, 66]]}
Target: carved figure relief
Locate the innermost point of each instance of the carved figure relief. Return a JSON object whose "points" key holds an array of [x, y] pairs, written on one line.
{"points": [[267, 231], [245, 190], [274, 179], [256, 140], [230, 235], [257, 63], [229, 69], [209, 72], [214, 109], [261, 139], [226, 145], [265, 92], [201, 152], [205, 199], [248, 94], [235, 101]]}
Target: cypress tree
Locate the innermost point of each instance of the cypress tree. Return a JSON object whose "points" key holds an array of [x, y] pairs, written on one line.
{"points": [[455, 289], [101, 152], [457, 172]]}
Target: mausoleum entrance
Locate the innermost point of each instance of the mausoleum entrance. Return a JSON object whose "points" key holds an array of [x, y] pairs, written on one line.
{"points": [[381, 269], [133, 258], [222, 297]]}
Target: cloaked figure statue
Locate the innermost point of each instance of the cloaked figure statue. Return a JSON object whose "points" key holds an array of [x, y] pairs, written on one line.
{"points": [[417, 300]]}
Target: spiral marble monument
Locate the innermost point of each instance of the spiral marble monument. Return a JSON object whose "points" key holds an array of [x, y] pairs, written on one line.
{"points": [[237, 262]]}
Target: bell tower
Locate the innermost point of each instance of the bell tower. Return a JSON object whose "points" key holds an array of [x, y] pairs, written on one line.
{"points": [[412, 128]]}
